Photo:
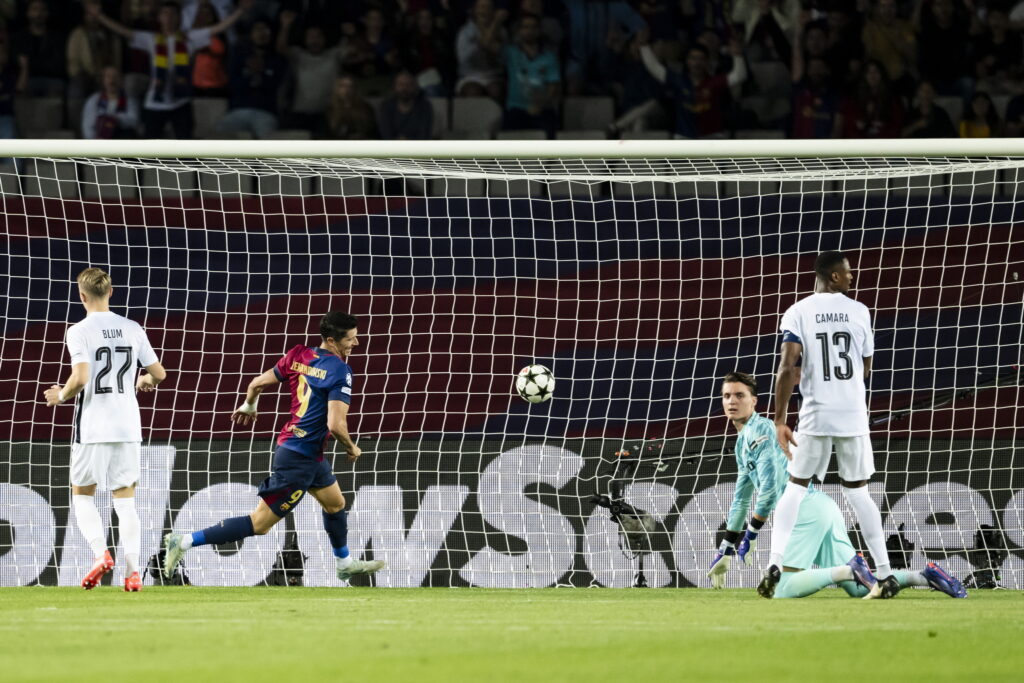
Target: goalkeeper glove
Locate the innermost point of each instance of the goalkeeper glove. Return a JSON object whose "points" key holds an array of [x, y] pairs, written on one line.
{"points": [[720, 565], [745, 550]]}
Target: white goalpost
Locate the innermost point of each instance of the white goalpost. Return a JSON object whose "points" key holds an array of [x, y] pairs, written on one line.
{"points": [[640, 272]]}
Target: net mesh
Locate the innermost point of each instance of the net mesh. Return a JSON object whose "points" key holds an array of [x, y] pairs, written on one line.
{"points": [[639, 282]]}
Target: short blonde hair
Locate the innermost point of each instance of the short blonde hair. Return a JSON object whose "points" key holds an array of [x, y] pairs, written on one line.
{"points": [[94, 283]]}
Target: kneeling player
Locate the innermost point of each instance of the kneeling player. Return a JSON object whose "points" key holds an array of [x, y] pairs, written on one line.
{"points": [[820, 539], [321, 386]]}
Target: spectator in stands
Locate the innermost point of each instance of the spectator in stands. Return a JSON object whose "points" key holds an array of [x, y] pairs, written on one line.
{"points": [[890, 40], [980, 120], [255, 76], [875, 111], [639, 95], [998, 54], [551, 33], [218, 10], [815, 101], [313, 69], [925, 118], [701, 99], [209, 75], [329, 15], [12, 82], [843, 44], [111, 112], [169, 98], [349, 115], [943, 36], [588, 55], [479, 48], [371, 55], [44, 49], [91, 48], [1015, 117], [407, 114], [533, 80], [766, 25], [426, 52]]}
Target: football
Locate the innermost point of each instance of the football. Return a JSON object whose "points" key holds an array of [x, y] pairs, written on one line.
{"points": [[535, 383]]}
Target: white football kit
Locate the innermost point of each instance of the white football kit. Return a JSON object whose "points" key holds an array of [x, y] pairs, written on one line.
{"points": [[108, 428], [836, 335]]}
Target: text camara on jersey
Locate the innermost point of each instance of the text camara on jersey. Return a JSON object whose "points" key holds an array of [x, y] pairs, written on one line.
{"points": [[835, 332]]}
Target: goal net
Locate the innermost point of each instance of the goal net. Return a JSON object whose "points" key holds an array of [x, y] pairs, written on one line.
{"points": [[639, 281]]}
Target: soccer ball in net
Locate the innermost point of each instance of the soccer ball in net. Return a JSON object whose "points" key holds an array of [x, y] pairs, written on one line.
{"points": [[535, 383]]}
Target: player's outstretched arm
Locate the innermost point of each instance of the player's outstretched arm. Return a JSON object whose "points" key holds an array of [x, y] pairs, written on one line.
{"points": [[785, 379], [246, 413], [337, 423], [56, 394], [155, 374]]}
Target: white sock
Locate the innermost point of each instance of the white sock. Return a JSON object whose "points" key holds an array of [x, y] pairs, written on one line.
{"points": [[785, 519], [89, 523], [343, 562], [870, 520], [186, 541], [915, 579], [842, 573], [130, 530]]}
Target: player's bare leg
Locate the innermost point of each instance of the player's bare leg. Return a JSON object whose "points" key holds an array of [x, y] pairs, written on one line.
{"points": [[336, 525], [131, 535], [258, 522], [89, 523]]}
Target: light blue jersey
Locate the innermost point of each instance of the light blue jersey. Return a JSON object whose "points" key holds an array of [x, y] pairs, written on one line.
{"points": [[762, 468]]}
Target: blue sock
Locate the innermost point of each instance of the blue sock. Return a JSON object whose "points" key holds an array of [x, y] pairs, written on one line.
{"points": [[336, 526], [228, 530]]}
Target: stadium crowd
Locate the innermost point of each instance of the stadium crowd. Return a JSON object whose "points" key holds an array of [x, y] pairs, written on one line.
{"points": [[389, 69]]}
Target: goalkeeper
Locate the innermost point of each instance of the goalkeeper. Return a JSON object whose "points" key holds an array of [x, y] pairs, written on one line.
{"points": [[819, 537]]}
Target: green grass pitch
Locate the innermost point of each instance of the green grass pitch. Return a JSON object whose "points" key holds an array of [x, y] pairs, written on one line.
{"points": [[469, 634]]}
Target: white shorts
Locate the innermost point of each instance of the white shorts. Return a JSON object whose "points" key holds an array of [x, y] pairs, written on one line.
{"points": [[812, 454], [110, 466]]}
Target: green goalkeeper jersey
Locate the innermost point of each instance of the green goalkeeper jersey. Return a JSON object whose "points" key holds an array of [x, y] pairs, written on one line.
{"points": [[762, 468]]}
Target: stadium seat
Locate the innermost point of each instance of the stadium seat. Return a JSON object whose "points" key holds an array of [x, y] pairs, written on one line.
{"points": [[37, 114], [207, 111], [521, 135], [587, 113], [55, 179], [580, 135], [954, 106], [646, 135], [109, 182], [760, 134], [441, 107], [1000, 102], [289, 134], [475, 118]]}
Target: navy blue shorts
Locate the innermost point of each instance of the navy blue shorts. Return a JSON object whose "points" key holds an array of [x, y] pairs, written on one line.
{"points": [[291, 475]]}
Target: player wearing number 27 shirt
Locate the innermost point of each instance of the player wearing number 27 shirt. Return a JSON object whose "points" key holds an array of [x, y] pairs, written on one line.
{"points": [[319, 380], [830, 335], [106, 351]]}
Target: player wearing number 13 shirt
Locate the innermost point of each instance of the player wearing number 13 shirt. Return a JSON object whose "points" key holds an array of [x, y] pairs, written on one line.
{"points": [[830, 335], [319, 380]]}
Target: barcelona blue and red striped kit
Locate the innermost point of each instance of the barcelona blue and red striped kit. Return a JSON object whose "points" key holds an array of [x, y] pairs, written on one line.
{"points": [[315, 376]]}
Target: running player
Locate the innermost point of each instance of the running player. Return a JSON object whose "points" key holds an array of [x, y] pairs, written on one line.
{"points": [[820, 537], [320, 381], [831, 335], [105, 350]]}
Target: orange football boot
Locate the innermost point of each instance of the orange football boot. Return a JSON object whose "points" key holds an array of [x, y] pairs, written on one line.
{"points": [[133, 584], [102, 566]]}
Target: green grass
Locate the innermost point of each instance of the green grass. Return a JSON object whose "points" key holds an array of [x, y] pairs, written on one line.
{"points": [[419, 635]]}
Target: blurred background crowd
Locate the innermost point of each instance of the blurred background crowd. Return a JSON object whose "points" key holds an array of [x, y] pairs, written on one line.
{"points": [[417, 69]]}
